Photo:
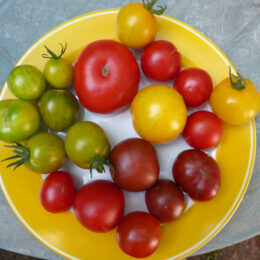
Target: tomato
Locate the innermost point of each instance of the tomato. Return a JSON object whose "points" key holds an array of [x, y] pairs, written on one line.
{"points": [[136, 24], [138, 234], [106, 76], [57, 192], [18, 120], [198, 174], [136, 166], [99, 205], [58, 71], [42, 153], [235, 100], [161, 61], [158, 113], [59, 109], [195, 85], [87, 145], [165, 201], [26, 82], [203, 130]]}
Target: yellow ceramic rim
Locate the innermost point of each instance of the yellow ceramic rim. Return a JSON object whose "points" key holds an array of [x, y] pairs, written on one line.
{"points": [[252, 136]]}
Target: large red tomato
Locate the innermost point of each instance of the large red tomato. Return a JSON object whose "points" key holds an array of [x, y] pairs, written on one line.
{"points": [[161, 61], [198, 174], [138, 234], [136, 164], [99, 205], [106, 76]]}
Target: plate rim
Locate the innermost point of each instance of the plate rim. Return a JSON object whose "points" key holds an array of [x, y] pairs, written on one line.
{"points": [[253, 140]]}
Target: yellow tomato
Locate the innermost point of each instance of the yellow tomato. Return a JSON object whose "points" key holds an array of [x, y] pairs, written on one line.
{"points": [[136, 24], [235, 100], [158, 113]]}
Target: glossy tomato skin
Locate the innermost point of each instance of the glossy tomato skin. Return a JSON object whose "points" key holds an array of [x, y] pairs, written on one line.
{"points": [[195, 85], [57, 192], [136, 26], [84, 141], [59, 109], [99, 205], [161, 61], [138, 234], [158, 113], [106, 76], [165, 201], [136, 164], [203, 130], [198, 174]]}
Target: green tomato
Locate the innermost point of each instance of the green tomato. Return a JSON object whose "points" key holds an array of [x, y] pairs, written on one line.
{"points": [[26, 82], [86, 141], [59, 109], [43, 153], [18, 120]]}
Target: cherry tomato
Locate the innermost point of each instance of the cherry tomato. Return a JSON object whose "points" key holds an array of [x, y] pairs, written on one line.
{"points": [[158, 113], [99, 205], [136, 24], [198, 174], [165, 201], [203, 130], [161, 61], [235, 100], [195, 85], [106, 76], [57, 192], [136, 166]]}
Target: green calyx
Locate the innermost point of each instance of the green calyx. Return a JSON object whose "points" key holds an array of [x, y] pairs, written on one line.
{"points": [[149, 4], [239, 83], [22, 154], [52, 55], [98, 163]]}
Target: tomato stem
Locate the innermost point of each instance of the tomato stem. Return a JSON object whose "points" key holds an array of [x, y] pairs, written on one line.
{"points": [[98, 163], [239, 82], [105, 71], [149, 4], [21, 153], [52, 55]]}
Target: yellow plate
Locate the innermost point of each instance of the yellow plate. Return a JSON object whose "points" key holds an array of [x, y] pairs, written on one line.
{"points": [[62, 232]]}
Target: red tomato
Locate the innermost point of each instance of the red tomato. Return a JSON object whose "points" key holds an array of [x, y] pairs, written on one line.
{"points": [[57, 192], [165, 201], [195, 85], [161, 61], [99, 205], [106, 76], [138, 234], [203, 130], [198, 174], [136, 164]]}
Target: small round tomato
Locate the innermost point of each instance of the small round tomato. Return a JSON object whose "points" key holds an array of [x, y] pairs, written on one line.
{"points": [[235, 100], [136, 166], [99, 205], [165, 201], [18, 120], [59, 109], [58, 71], [106, 76], [57, 192], [136, 24], [158, 113], [87, 145], [161, 61], [198, 174], [195, 85], [26, 82], [203, 130], [42, 153], [138, 234]]}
